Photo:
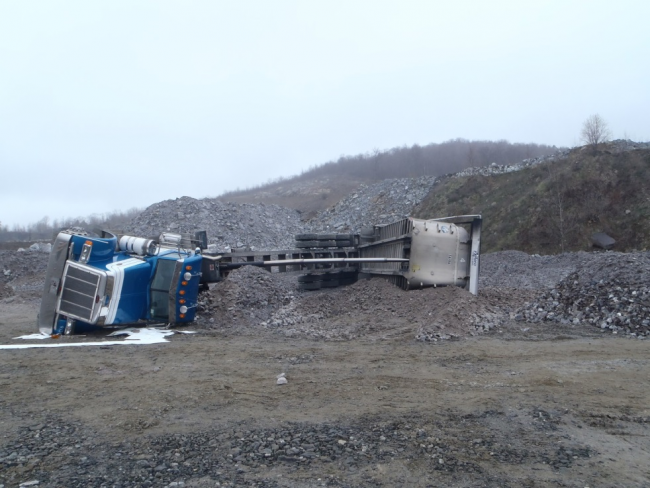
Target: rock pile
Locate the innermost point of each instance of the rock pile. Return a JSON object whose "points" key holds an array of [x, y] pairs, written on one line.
{"points": [[380, 203], [22, 271], [607, 290], [45, 247], [229, 225], [496, 169], [617, 146], [271, 227], [623, 145], [375, 309], [612, 294], [516, 269], [457, 313], [249, 296]]}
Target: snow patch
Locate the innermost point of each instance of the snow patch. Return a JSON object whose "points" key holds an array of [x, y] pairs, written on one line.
{"points": [[147, 335]]}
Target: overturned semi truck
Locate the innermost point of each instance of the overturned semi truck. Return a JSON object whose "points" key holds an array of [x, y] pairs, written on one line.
{"points": [[110, 280]]}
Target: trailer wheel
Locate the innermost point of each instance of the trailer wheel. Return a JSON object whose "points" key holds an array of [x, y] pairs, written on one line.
{"points": [[330, 284], [330, 279], [306, 244], [327, 243], [309, 278], [309, 286]]}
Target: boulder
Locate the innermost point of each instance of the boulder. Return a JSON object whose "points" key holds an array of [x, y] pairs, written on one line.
{"points": [[602, 240]]}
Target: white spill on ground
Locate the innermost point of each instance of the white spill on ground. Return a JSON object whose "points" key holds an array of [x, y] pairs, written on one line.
{"points": [[147, 335]]}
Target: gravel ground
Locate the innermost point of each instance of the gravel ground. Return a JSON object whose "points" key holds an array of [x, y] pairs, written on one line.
{"points": [[228, 456], [612, 292], [385, 387], [607, 290], [367, 309], [22, 272], [535, 382]]}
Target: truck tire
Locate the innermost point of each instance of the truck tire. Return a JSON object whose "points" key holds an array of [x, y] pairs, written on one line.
{"points": [[330, 284], [306, 244], [327, 243], [330, 279], [309, 278], [310, 286]]}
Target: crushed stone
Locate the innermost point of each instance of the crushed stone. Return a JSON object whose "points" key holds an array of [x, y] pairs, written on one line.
{"points": [[380, 203]]}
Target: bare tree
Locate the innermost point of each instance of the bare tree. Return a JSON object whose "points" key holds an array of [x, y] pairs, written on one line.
{"points": [[594, 131]]}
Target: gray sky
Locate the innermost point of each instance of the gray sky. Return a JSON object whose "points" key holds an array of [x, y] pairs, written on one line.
{"points": [[117, 104]]}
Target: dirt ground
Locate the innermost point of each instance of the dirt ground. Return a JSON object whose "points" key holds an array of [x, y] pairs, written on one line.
{"points": [[524, 405]]}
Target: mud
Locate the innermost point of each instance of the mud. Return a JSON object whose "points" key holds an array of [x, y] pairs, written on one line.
{"points": [[542, 407], [368, 401]]}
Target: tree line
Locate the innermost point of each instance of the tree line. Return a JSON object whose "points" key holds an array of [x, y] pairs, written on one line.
{"points": [[45, 228], [434, 159]]}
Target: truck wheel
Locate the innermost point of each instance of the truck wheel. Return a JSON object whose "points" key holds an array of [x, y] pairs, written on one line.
{"points": [[327, 243], [331, 280], [309, 278], [306, 244], [309, 286]]}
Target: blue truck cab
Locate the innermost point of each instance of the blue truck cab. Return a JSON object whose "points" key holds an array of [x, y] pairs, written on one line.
{"points": [[101, 281]]}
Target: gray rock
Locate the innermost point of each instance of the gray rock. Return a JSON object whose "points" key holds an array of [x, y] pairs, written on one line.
{"points": [[602, 240], [379, 203]]}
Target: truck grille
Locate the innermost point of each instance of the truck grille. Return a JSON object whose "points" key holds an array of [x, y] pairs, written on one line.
{"points": [[79, 291]]}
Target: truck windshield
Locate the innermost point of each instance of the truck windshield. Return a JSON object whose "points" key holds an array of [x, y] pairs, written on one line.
{"points": [[160, 285]]}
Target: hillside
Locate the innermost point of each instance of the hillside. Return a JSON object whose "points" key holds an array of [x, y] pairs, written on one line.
{"points": [[324, 185], [319, 188], [545, 205], [557, 205]]}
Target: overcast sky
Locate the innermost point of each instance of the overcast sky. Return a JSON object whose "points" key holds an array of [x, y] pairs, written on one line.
{"points": [[117, 104]]}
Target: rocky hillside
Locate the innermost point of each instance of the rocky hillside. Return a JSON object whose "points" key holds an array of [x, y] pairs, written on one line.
{"points": [[324, 185], [545, 205], [263, 226], [379, 203], [555, 204], [229, 225]]}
